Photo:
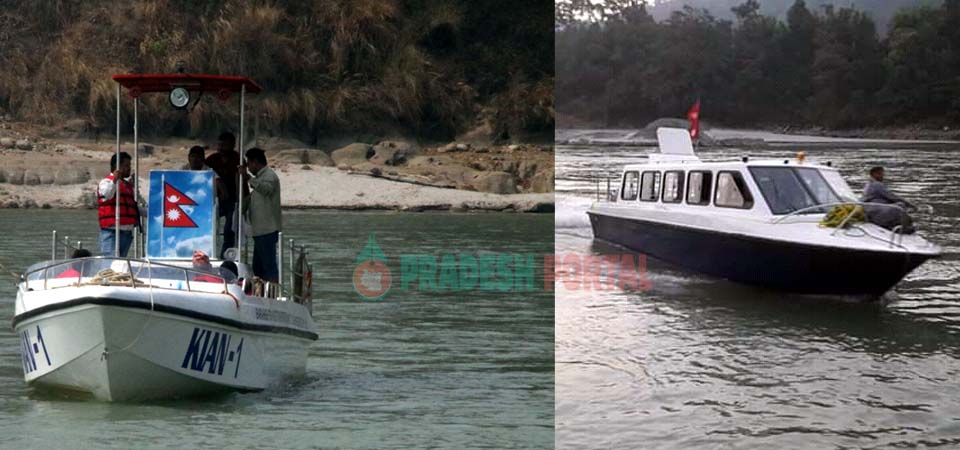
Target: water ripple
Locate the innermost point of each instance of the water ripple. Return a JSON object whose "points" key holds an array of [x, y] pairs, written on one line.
{"points": [[700, 362]]}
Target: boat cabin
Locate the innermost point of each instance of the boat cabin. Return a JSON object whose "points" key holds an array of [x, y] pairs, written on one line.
{"points": [[677, 178]]}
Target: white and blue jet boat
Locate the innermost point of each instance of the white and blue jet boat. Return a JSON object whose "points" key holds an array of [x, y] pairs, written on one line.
{"points": [[757, 222], [154, 326]]}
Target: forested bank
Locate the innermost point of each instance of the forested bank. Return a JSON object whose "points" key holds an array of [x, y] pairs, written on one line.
{"points": [[424, 68], [617, 66]]}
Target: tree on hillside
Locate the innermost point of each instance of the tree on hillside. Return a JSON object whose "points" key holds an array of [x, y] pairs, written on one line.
{"points": [[847, 68], [797, 48], [916, 61], [755, 59]]}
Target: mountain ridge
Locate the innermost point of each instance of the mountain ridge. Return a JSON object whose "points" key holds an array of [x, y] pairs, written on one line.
{"points": [[880, 10]]}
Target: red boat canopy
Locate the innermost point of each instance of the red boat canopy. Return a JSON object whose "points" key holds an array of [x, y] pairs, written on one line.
{"points": [[164, 82]]}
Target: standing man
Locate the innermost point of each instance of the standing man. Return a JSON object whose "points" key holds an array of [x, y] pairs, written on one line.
{"points": [[195, 159], [887, 217], [225, 163], [107, 191], [264, 213]]}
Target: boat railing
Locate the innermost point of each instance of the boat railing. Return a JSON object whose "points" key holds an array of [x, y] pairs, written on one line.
{"points": [[65, 244], [298, 286], [895, 238], [610, 195], [299, 274], [126, 272]]}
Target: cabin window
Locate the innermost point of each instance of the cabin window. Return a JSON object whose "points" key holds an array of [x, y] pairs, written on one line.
{"points": [[649, 186], [838, 184], [631, 184], [788, 189], [732, 191], [672, 186], [817, 185], [698, 187]]}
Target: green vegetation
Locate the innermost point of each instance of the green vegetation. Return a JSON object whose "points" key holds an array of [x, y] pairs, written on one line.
{"points": [[881, 10], [617, 66], [427, 68]]}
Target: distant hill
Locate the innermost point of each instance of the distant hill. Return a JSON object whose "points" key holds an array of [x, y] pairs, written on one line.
{"points": [[881, 10], [431, 69]]}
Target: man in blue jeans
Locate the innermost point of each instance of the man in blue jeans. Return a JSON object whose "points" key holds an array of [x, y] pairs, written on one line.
{"points": [[264, 213], [116, 184]]}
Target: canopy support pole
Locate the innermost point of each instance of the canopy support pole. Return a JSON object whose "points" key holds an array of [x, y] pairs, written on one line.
{"points": [[241, 239], [136, 176], [116, 186]]}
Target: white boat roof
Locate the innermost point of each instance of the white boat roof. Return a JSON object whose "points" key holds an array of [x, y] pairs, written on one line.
{"points": [[694, 164], [676, 149]]}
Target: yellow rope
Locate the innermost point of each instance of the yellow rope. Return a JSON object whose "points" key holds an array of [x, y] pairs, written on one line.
{"points": [[838, 215]]}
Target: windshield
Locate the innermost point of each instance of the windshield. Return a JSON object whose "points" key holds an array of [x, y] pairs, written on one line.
{"points": [[839, 185], [788, 189]]}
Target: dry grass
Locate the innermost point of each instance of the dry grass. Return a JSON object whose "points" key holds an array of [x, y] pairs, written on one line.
{"points": [[327, 65]]}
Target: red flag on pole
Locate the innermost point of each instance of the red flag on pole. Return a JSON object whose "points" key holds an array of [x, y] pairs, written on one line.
{"points": [[173, 215], [694, 117]]}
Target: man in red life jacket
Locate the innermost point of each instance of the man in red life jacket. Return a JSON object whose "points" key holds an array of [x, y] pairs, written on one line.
{"points": [[107, 207]]}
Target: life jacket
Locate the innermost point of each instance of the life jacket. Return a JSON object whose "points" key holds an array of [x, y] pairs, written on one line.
{"points": [[107, 207], [69, 273], [208, 279]]}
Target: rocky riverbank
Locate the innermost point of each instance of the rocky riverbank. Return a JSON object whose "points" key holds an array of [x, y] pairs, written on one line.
{"points": [[764, 138], [60, 172]]}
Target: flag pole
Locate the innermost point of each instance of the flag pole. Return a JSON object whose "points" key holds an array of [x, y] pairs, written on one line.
{"points": [[163, 210]]}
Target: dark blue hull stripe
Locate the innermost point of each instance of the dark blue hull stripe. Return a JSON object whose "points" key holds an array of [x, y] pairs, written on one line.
{"points": [[765, 262], [103, 301]]}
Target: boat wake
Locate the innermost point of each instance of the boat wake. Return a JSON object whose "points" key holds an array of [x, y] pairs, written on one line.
{"points": [[571, 218]]}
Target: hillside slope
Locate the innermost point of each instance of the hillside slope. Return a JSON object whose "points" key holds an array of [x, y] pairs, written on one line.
{"points": [[424, 68]]}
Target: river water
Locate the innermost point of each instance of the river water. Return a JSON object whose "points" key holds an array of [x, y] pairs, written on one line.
{"points": [[413, 370], [699, 362]]}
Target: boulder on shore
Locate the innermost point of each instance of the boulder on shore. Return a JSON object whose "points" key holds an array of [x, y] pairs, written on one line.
{"points": [[543, 181], [31, 178], [14, 175], [392, 153], [310, 156], [71, 175], [352, 154], [495, 183]]}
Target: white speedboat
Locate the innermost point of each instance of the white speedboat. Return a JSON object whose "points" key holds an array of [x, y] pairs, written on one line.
{"points": [[156, 326], [134, 329], [755, 222]]}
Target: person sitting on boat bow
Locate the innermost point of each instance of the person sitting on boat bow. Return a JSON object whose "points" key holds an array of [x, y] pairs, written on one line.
{"points": [[202, 262], [73, 270], [890, 218], [107, 207]]}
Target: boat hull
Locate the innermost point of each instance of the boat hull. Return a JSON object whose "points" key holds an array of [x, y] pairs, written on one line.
{"points": [[116, 351], [782, 265]]}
